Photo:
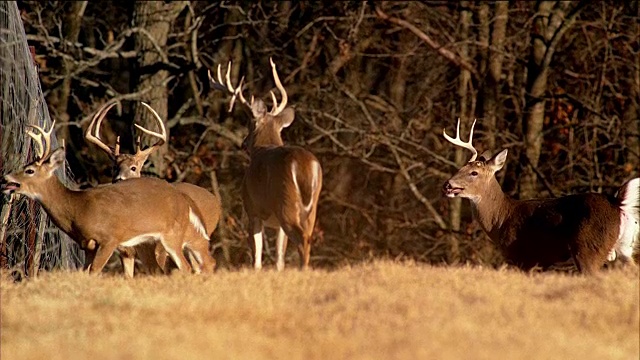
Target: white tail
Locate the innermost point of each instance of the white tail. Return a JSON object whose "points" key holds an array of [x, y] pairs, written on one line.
{"points": [[96, 218], [282, 183], [587, 228]]}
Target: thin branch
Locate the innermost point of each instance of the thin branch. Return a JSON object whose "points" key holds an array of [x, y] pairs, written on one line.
{"points": [[446, 53]]}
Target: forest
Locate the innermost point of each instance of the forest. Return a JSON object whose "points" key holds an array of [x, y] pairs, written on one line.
{"points": [[373, 85]]}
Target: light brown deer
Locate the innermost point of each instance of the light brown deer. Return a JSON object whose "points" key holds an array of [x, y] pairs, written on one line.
{"points": [[585, 228], [282, 183], [106, 217], [129, 166]]}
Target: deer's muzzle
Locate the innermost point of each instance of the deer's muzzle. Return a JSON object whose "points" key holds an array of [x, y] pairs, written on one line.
{"points": [[449, 190]]}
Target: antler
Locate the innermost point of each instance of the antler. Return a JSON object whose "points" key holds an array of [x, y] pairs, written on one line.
{"points": [[43, 140], [458, 142], [277, 109], [226, 85], [162, 137], [95, 123]]}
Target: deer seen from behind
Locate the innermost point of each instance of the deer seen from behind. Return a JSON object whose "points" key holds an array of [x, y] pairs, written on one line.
{"points": [[282, 183], [129, 166], [586, 228], [103, 218]]}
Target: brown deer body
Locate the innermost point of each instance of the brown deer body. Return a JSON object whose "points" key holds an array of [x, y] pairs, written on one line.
{"points": [[124, 214], [129, 166], [282, 183], [585, 228]]}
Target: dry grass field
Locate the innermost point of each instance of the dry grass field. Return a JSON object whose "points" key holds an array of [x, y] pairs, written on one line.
{"points": [[382, 310]]}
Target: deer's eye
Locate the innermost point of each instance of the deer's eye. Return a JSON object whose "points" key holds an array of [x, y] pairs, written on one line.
{"points": [[133, 168], [30, 171], [474, 173]]}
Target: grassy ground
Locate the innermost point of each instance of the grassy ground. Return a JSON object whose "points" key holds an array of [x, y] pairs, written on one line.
{"points": [[382, 310]]}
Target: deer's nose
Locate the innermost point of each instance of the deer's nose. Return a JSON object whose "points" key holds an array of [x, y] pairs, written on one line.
{"points": [[447, 185]]}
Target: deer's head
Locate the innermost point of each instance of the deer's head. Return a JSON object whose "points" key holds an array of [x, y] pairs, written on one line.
{"points": [[472, 180], [125, 166], [29, 181], [265, 126]]}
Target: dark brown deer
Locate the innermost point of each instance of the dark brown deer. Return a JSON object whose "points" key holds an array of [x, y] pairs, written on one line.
{"points": [[282, 183], [585, 228], [119, 215], [129, 166]]}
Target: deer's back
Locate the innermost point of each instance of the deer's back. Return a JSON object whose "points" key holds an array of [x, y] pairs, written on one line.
{"points": [[145, 205], [543, 232]]}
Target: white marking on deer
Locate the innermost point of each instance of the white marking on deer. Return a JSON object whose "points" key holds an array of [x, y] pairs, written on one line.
{"points": [[137, 240], [197, 224], [629, 220], [257, 240], [280, 249]]}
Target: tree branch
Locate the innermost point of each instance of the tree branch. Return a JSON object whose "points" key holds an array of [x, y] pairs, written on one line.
{"points": [[446, 53]]}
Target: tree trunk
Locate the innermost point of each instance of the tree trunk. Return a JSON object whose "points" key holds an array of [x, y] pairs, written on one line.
{"points": [[157, 18], [548, 28], [463, 113], [59, 98], [494, 58]]}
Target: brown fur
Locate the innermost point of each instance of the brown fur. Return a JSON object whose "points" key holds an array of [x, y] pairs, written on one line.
{"points": [[269, 192], [540, 232], [107, 216]]}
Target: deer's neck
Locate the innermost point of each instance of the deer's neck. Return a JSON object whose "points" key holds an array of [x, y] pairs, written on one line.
{"points": [[60, 203], [492, 210]]}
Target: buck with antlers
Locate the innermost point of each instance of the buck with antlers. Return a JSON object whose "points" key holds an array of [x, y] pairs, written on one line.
{"points": [[282, 183], [129, 166], [123, 214], [585, 228]]}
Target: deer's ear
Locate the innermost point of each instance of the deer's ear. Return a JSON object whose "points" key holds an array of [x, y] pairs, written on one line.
{"points": [[56, 159], [258, 110], [286, 117], [497, 162], [486, 155]]}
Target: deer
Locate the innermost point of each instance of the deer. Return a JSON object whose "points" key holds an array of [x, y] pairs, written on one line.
{"points": [[588, 229], [129, 166], [124, 214], [282, 183]]}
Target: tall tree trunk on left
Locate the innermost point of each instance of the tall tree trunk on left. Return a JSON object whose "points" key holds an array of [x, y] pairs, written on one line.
{"points": [[463, 113], [156, 19], [59, 98]]}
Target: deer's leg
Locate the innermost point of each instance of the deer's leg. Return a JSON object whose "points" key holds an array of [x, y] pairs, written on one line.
{"points": [[256, 228], [281, 248], [161, 257], [103, 254], [89, 255], [199, 252], [128, 258], [173, 245], [145, 252], [297, 234], [304, 249]]}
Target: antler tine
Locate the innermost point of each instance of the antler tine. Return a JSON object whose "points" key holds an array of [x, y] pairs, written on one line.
{"points": [[161, 136], [458, 142], [45, 137], [225, 84], [95, 127], [38, 140], [277, 108], [42, 139]]}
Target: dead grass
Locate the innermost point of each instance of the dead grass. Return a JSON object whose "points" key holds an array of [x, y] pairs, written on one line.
{"points": [[382, 310]]}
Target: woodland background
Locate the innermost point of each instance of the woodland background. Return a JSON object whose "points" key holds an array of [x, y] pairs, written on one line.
{"points": [[373, 85]]}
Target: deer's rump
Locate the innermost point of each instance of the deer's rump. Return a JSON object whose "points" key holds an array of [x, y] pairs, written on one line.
{"points": [[546, 232], [280, 178]]}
